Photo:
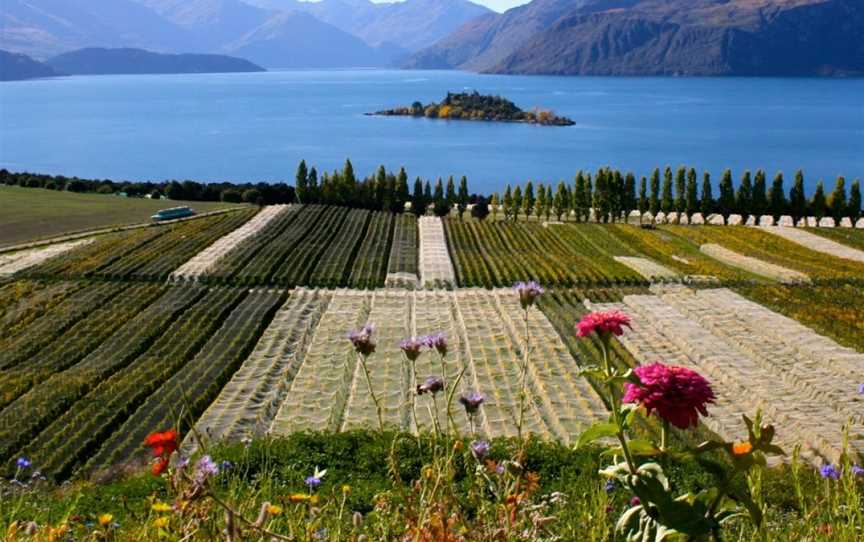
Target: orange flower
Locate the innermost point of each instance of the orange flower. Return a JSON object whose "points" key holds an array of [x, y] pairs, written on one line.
{"points": [[742, 448], [298, 497], [159, 466]]}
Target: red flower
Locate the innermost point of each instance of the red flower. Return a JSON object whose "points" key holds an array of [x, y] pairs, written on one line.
{"points": [[602, 323], [679, 395], [162, 444], [160, 466]]}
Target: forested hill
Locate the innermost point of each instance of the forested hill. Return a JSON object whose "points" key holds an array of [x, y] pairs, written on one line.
{"points": [[660, 37], [15, 67], [99, 61]]}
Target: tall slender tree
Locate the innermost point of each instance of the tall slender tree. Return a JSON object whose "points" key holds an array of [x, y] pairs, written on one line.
{"points": [[314, 192], [744, 196], [507, 202], [798, 198], [589, 196], [654, 200], [528, 200], [777, 197], [643, 197], [418, 201], [691, 204], [855, 200], [450, 195], [301, 183], [681, 190], [517, 201], [549, 201], [818, 205], [630, 202], [540, 207], [759, 199], [837, 204], [494, 203], [726, 202], [706, 203], [462, 196], [600, 202], [402, 194], [561, 201], [667, 204]]}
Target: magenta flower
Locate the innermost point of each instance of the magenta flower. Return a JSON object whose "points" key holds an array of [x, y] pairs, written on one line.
{"points": [[362, 339], [472, 402], [678, 394], [528, 292], [438, 341], [412, 347], [432, 385], [603, 323]]}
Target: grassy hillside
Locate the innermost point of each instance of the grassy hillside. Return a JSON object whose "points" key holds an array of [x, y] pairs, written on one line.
{"points": [[31, 213]]}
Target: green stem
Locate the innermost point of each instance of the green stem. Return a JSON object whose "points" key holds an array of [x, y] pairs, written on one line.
{"points": [[450, 394], [522, 393], [664, 435], [615, 404], [372, 393]]}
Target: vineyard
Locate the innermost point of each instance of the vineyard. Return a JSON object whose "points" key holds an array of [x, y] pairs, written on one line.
{"points": [[235, 325]]}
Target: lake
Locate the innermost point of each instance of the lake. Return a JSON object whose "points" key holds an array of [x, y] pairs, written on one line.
{"points": [[256, 127]]}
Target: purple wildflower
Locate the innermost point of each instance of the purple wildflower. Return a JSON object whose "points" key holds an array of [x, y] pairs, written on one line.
{"points": [[609, 487], [528, 292], [472, 402], [480, 448], [857, 470], [204, 469], [432, 385], [23, 463], [635, 501], [226, 465], [861, 389], [829, 471], [438, 341], [362, 339], [413, 347], [313, 481]]}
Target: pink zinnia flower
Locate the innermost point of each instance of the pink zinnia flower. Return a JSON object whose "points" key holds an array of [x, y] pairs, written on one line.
{"points": [[679, 395], [602, 323]]}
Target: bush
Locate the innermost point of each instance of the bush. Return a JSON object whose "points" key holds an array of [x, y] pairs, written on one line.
{"points": [[231, 196]]}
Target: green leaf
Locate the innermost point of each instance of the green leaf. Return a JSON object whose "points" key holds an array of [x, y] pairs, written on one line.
{"points": [[596, 432]]}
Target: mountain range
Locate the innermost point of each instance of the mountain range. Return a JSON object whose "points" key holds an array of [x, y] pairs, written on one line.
{"points": [[659, 37], [273, 33]]}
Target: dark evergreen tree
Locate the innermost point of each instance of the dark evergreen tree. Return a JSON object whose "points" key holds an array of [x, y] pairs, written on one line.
{"points": [[667, 204], [681, 190], [798, 198], [855, 200], [600, 201], [314, 191], [630, 202], [654, 199], [706, 203], [818, 205], [517, 201], [462, 197], [777, 197], [744, 196], [451, 192], [528, 200], [837, 204], [726, 202], [440, 202], [561, 201], [691, 204], [549, 201], [580, 198], [759, 199], [301, 183], [540, 206], [589, 196], [418, 201], [643, 196]]}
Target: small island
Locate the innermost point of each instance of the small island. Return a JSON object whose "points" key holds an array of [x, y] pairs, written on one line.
{"points": [[474, 106]]}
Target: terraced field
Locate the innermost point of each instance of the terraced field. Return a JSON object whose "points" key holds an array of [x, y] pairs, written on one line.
{"points": [[236, 325]]}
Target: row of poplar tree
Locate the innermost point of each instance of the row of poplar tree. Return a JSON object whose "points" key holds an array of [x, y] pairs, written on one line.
{"points": [[613, 195], [383, 191]]}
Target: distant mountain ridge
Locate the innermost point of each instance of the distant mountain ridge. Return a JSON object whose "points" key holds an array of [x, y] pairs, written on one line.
{"points": [[17, 67], [274, 33], [100, 61], [659, 37]]}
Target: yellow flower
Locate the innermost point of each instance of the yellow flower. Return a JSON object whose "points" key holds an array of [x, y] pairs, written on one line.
{"points": [[161, 523], [161, 507], [298, 497], [274, 510], [458, 445], [313, 499], [346, 489], [105, 519]]}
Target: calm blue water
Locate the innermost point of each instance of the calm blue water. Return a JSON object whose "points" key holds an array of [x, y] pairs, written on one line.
{"points": [[252, 127]]}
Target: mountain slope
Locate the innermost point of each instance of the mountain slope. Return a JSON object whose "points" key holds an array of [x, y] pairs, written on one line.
{"points": [[662, 37], [299, 40], [98, 61], [412, 24], [212, 23], [16, 67], [42, 28]]}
